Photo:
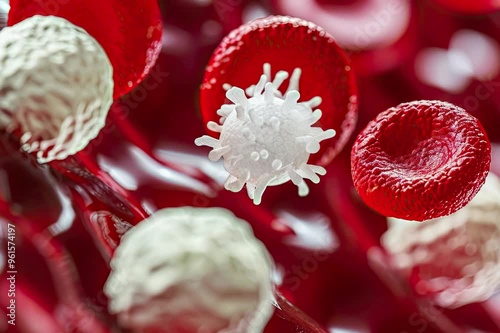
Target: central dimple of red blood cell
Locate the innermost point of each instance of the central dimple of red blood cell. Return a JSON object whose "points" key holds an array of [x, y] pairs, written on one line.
{"points": [[423, 146]]}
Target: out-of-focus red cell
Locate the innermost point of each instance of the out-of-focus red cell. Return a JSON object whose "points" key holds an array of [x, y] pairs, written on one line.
{"points": [[458, 61], [355, 24], [378, 35], [286, 43], [469, 6], [420, 160], [129, 31]]}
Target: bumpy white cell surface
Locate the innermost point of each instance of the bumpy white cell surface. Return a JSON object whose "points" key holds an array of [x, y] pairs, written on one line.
{"points": [[56, 86], [191, 270], [457, 257], [266, 138]]}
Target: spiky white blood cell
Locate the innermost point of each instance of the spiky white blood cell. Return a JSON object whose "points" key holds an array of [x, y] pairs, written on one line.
{"points": [[454, 259], [191, 270], [266, 138], [56, 86]]}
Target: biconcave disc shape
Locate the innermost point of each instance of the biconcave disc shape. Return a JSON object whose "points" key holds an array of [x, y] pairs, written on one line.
{"points": [[420, 160], [129, 31], [286, 43]]}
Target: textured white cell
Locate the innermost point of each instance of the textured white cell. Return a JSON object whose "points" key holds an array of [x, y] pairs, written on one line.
{"points": [[457, 256], [191, 270], [266, 138], [56, 86]]}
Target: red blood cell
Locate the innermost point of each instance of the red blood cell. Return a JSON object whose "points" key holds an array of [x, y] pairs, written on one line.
{"points": [[286, 43], [470, 7], [129, 31], [420, 160]]}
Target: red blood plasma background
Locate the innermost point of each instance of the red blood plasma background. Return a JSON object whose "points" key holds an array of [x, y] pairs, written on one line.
{"points": [[332, 274], [420, 160], [129, 31]]}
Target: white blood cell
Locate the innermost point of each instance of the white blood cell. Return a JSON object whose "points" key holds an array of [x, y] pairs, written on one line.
{"points": [[56, 86], [457, 257], [191, 270], [266, 138]]}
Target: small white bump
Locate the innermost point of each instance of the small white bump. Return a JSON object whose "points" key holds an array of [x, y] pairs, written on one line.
{"points": [[277, 164], [275, 123], [240, 112]]}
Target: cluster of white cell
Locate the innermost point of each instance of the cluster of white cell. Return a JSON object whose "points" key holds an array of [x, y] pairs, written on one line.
{"points": [[266, 138], [456, 257], [191, 270], [56, 86]]}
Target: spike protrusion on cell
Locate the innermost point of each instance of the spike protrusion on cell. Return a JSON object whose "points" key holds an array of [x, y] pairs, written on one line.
{"points": [[299, 182], [280, 77], [315, 116], [261, 187], [234, 184], [269, 94], [260, 86], [213, 126], [251, 191], [266, 137], [291, 99], [294, 80], [237, 96], [314, 102], [206, 140], [217, 153]]}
